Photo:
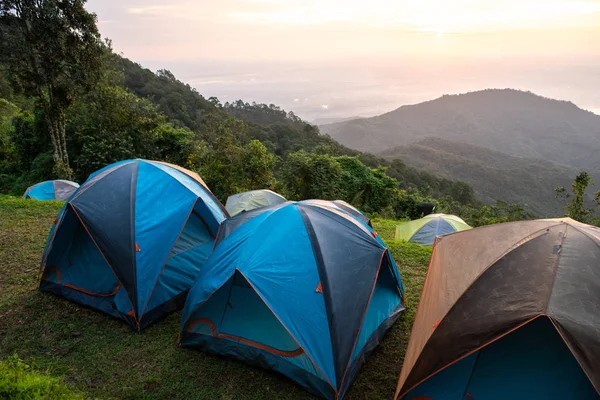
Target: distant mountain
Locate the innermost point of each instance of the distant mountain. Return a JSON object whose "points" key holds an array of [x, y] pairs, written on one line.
{"points": [[514, 122], [332, 120], [493, 175]]}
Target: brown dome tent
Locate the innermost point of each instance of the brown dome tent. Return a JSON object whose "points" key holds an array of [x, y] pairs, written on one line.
{"points": [[508, 311]]}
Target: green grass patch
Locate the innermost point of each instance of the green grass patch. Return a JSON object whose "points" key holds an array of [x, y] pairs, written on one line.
{"points": [[101, 357], [386, 228], [19, 381]]}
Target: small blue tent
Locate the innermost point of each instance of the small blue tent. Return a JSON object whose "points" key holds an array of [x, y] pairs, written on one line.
{"points": [[131, 240], [302, 288], [51, 190]]}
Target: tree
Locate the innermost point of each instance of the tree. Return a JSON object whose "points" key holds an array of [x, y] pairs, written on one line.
{"points": [[54, 50], [311, 176], [230, 164], [7, 149], [576, 208], [257, 166], [110, 124], [462, 193], [370, 189]]}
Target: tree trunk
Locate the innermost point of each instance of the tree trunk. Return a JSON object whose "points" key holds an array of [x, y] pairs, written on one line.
{"points": [[56, 121]]}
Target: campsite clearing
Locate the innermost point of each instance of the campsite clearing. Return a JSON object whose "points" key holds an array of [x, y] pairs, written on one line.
{"points": [[101, 357]]}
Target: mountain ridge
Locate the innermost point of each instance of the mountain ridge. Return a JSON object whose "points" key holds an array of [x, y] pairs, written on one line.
{"points": [[510, 121]]}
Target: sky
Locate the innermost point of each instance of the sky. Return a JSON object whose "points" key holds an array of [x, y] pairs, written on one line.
{"points": [[341, 58]]}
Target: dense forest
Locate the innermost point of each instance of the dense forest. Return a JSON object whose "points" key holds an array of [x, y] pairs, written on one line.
{"points": [[66, 122]]}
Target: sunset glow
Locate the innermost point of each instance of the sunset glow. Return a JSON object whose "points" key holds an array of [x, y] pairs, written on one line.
{"points": [[251, 26], [284, 50]]}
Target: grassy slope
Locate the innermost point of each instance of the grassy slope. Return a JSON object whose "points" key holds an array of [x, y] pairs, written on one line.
{"points": [[104, 358]]}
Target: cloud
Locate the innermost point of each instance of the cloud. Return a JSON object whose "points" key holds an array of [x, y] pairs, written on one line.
{"points": [[175, 12], [153, 10], [424, 15]]}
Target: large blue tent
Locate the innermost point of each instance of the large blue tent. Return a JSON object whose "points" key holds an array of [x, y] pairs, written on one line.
{"points": [[305, 289], [238, 220], [131, 240], [51, 190]]}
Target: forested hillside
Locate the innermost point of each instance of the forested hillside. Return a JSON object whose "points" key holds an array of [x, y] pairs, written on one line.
{"points": [[492, 175], [132, 112]]}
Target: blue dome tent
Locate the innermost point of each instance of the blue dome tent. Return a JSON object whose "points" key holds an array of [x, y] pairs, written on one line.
{"points": [[238, 220], [51, 190], [350, 209], [131, 240], [302, 288]]}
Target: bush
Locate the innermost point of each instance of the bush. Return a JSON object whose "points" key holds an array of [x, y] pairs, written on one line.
{"points": [[6, 183], [19, 381]]}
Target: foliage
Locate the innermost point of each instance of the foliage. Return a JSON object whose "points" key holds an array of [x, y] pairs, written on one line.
{"points": [[484, 214], [258, 166], [110, 124], [261, 114], [576, 208], [7, 149], [311, 176], [283, 132], [178, 101], [229, 163], [370, 189], [321, 176], [29, 138], [19, 381], [492, 175], [430, 185], [52, 49]]}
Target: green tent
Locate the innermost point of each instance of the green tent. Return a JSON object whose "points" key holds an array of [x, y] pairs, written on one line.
{"points": [[425, 230], [252, 199]]}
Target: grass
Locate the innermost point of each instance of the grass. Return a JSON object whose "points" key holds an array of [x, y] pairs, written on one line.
{"points": [[20, 381], [386, 228], [101, 357]]}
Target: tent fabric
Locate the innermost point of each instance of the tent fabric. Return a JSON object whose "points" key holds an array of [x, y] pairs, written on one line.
{"points": [[352, 210], [251, 200], [231, 224], [530, 363], [341, 205], [132, 239], [317, 276], [51, 190], [487, 282], [426, 229]]}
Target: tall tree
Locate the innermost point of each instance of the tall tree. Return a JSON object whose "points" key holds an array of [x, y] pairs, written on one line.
{"points": [[576, 208], [54, 50]]}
